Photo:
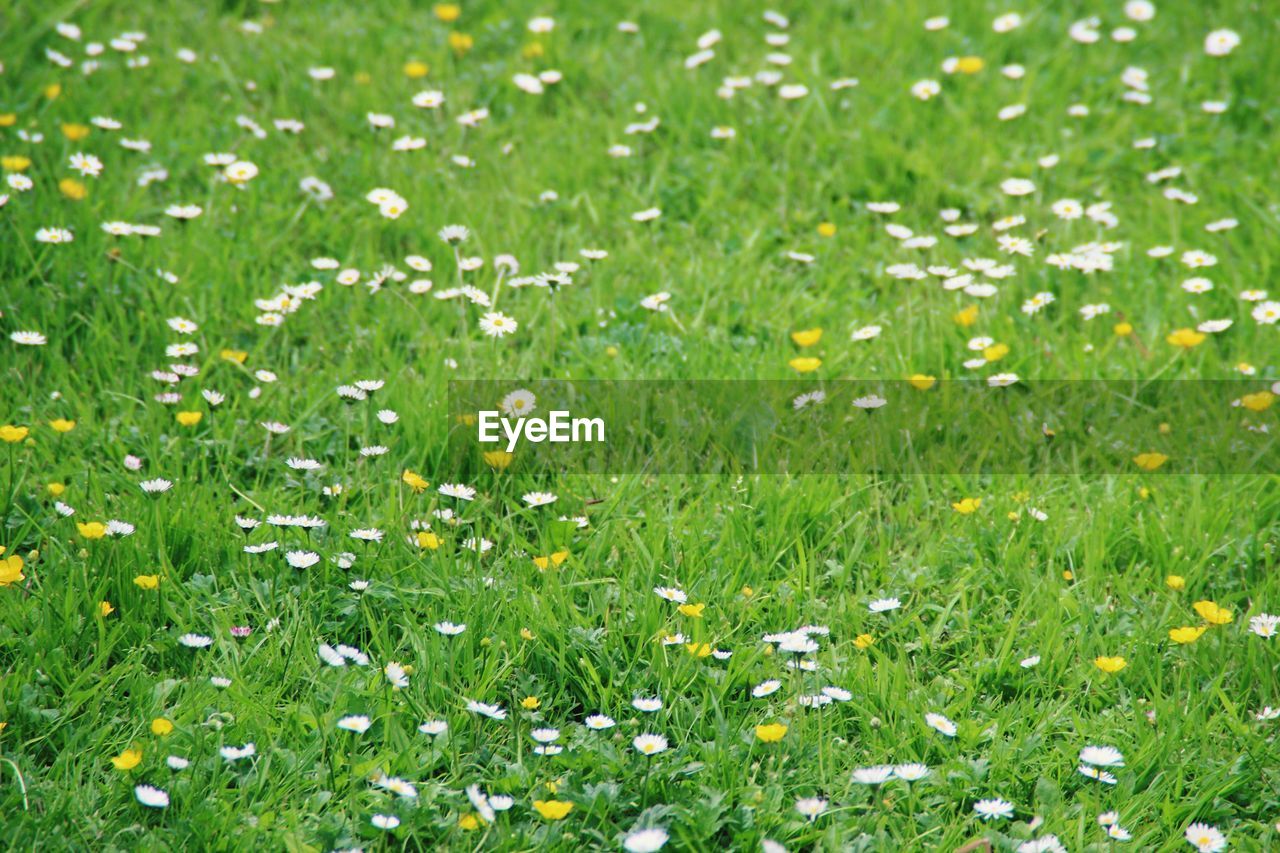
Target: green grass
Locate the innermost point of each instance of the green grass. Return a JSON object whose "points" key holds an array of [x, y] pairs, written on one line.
{"points": [[980, 592]]}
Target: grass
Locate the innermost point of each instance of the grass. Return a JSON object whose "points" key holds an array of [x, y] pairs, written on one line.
{"points": [[980, 591]]}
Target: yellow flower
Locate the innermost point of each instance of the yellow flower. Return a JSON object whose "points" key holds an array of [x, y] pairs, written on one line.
{"points": [[161, 727], [1123, 330], [461, 42], [532, 50], [693, 611], [498, 460], [468, 822], [970, 64], [1150, 461], [967, 506], [526, 634], [806, 337], [75, 132], [127, 760], [105, 609], [188, 418], [8, 119], [826, 229], [1068, 575], [698, 650], [1182, 636], [73, 189], [236, 355], [921, 381], [56, 489], [611, 351], [147, 581], [414, 69], [13, 434], [428, 540], [62, 425], [15, 163], [553, 809], [805, 365], [863, 641], [413, 481], [771, 732], [448, 12], [747, 592], [1213, 613], [552, 560], [531, 703], [92, 529], [967, 316], [52, 91], [1186, 338], [995, 352], [1258, 402], [1110, 665], [1175, 582], [11, 570]]}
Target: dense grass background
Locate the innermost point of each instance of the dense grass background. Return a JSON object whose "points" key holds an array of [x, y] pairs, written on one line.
{"points": [[980, 592]]}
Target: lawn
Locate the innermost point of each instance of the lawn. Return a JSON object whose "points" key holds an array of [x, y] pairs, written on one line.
{"points": [[252, 596]]}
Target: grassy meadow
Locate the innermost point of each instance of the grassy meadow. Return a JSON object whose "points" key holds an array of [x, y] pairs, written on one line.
{"points": [[246, 603]]}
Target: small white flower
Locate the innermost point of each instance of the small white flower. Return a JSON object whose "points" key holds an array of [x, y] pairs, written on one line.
{"points": [[877, 775], [1264, 625], [811, 807], [1102, 756], [766, 688], [395, 673], [645, 840], [993, 809], [151, 797], [941, 724], [357, 723], [457, 490], [911, 772], [301, 559], [1221, 43], [493, 712]]}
